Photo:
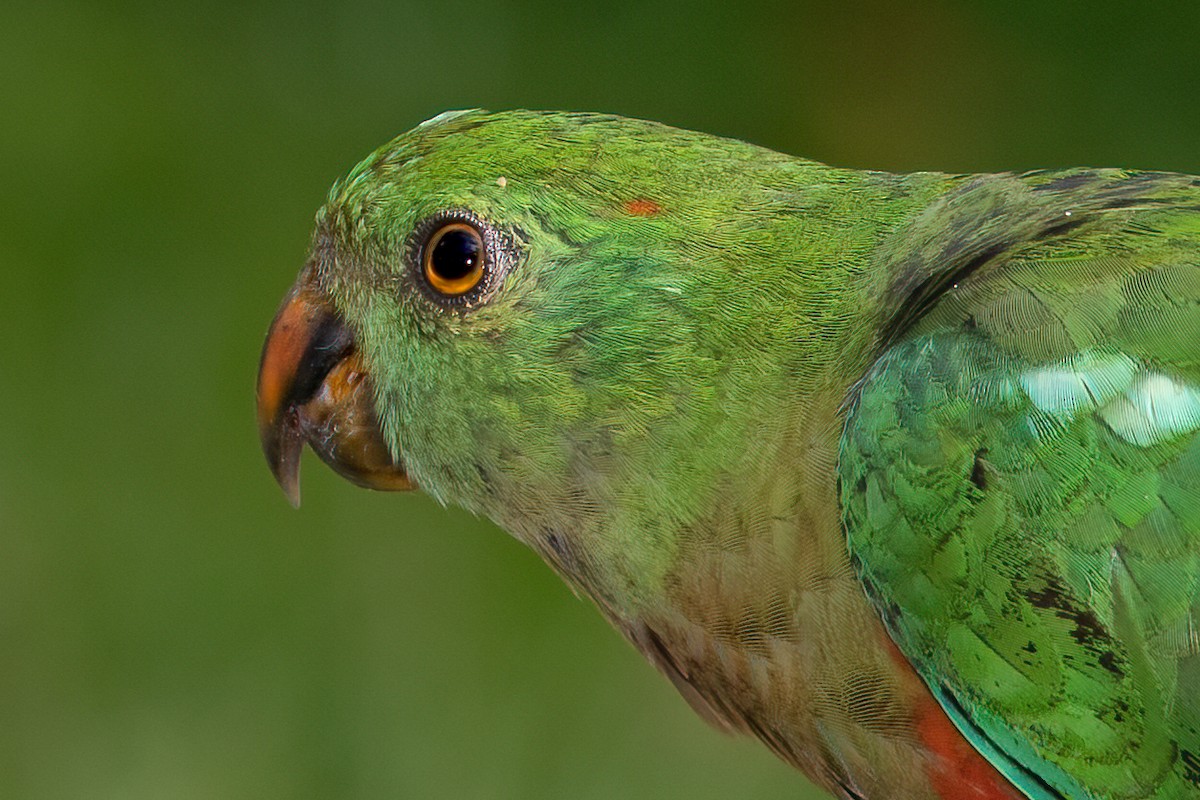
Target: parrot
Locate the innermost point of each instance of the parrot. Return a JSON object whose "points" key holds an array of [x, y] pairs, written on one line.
{"points": [[898, 473]]}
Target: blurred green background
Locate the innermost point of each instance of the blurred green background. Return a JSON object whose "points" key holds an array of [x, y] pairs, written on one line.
{"points": [[169, 626]]}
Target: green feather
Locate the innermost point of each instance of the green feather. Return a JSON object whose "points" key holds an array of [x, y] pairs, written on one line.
{"points": [[1059, 397]]}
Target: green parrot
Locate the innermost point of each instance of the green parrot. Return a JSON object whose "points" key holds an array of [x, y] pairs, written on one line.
{"points": [[898, 473]]}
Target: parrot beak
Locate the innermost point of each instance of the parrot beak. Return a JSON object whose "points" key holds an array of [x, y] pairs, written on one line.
{"points": [[312, 386]]}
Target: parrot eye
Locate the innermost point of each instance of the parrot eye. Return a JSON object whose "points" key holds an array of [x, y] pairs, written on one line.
{"points": [[459, 259], [453, 258]]}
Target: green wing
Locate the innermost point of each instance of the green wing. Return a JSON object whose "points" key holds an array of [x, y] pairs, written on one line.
{"points": [[1020, 480]]}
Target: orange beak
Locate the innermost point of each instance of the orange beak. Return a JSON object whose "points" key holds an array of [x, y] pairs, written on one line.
{"points": [[312, 387]]}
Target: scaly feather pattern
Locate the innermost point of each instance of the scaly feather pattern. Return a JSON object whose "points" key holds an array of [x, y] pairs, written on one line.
{"points": [[1021, 477]]}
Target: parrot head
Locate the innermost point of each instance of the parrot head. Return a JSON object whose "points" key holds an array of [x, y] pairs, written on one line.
{"points": [[549, 319]]}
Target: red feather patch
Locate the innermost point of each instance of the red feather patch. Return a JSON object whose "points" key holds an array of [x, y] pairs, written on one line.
{"points": [[642, 207]]}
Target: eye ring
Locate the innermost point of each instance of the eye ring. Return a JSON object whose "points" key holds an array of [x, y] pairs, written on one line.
{"points": [[453, 258], [459, 260]]}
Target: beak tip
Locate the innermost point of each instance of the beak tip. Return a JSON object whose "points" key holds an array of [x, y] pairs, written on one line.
{"points": [[282, 445], [293, 495], [287, 475]]}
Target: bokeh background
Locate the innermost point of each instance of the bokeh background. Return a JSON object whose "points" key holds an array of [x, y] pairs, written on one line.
{"points": [[169, 626]]}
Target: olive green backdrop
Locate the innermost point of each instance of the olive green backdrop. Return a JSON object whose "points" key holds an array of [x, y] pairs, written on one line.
{"points": [[169, 626]]}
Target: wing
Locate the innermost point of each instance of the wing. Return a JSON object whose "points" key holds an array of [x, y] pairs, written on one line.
{"points": [[1020, 480]]}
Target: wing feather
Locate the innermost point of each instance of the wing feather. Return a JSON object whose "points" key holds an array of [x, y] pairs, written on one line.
{"points": [[1020, 480]]}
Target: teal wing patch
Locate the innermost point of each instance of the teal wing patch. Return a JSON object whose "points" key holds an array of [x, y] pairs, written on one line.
{"points": [[1027, 522], [1034, 552]]}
